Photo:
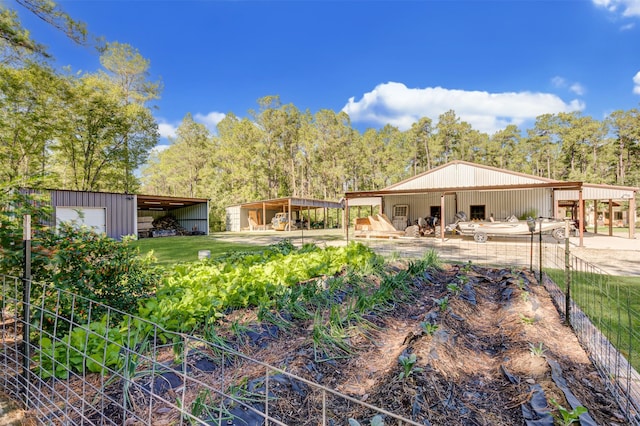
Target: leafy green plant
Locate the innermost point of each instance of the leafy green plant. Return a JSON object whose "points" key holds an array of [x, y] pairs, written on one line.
{"points": [[442, 303], [428, 328], [408, 362], [567, 417], [454, 288], [527, 320], [537, 350], [431, 259]]}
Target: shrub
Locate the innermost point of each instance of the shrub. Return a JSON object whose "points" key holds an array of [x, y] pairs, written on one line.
{"points": [[98, 268]]}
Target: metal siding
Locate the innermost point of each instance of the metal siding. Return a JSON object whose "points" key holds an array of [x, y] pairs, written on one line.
{"points": [[192, 218], [590, 193], [465, 175], [119, 208], [419, 205], [501, 203], [506, 203], [233, 219]]}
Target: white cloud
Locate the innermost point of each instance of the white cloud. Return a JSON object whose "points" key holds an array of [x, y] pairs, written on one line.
{"points": [[562, 83], [629, 7], [159, 148], [558, 81], [210, 120], [636, 83], [578, 89], [394, 103], [167, 130]]}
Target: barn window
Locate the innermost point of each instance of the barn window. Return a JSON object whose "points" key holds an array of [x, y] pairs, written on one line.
{"points": [[477, 212]]}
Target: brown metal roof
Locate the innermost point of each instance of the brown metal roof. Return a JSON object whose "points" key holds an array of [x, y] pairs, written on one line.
{"points": [[296, 204], [452, 190]]}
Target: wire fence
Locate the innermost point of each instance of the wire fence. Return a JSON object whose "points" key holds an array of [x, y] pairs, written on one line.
{"points": [[150, 376], [602, 309]]}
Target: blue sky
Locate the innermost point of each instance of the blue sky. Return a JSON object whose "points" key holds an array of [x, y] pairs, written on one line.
{"points": [[493, 62]]}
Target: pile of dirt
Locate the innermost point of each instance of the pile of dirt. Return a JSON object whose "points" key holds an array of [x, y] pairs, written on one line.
{"points": [[472, 346]]}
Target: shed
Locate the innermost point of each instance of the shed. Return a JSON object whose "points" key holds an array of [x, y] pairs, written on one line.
{"points": [[118, 215], [483, 192], [257, 215]]}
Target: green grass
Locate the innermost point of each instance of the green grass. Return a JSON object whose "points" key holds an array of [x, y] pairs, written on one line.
{"points": [[612, 304], [172, 250]]}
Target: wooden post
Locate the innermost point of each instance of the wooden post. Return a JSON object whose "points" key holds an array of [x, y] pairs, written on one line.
{"points": [[610, 217], [595, 216], [346, 209], [632, 216], [581, 217], [442, 216], [567, 280]]}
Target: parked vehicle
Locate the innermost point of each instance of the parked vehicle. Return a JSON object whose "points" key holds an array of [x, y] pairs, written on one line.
{"points": [[512, 226], [280, 222]]}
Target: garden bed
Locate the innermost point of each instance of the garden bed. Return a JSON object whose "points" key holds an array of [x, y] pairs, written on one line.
{"points": [[471, 346]]}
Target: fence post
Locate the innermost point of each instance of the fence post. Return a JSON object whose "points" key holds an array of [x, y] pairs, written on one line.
{"points": [[26, 305], [567, 277], [540, 255]]}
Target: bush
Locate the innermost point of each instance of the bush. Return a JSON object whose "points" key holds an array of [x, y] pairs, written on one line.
{"points": [[78, 261], [98, 268]]}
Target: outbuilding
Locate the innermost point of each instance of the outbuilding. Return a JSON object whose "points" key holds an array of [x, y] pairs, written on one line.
{"points": [[118, 215], [486, 193], [307, 212]]}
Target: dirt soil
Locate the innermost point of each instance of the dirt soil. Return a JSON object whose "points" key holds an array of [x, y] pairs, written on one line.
{"points": [[489, 346], [497, 354]]}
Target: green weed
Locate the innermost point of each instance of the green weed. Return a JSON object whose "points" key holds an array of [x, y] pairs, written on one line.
{"points": [[565, 416], [408, 366]]}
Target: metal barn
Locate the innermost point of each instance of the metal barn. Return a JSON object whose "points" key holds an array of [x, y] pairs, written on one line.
{"points": [[118, 215], [484, 192]]}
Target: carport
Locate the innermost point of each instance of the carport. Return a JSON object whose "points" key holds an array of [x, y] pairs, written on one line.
{"points": [[257, 215]]}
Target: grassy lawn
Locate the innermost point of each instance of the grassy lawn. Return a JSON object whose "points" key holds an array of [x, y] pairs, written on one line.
{"points": [[171, 250], [613, 306]]}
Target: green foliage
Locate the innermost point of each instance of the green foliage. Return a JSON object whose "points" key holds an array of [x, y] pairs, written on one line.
{"points": [[442, 303], [408, 362], [453, 288], [537, 350], [99, 269], [527, 320], [428, 328], [193, 295], [566, 417], [528, 214], [14, 204]]}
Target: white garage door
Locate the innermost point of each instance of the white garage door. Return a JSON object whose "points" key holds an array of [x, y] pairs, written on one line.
{"points": [[94, 218]]}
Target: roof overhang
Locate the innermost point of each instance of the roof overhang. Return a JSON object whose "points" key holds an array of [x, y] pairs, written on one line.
{"points": [[453, 190], [158, 202], [295, 203]]}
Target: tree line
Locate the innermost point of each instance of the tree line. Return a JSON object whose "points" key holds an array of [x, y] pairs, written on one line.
{"points": [[94, 131], [279, 151]]}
